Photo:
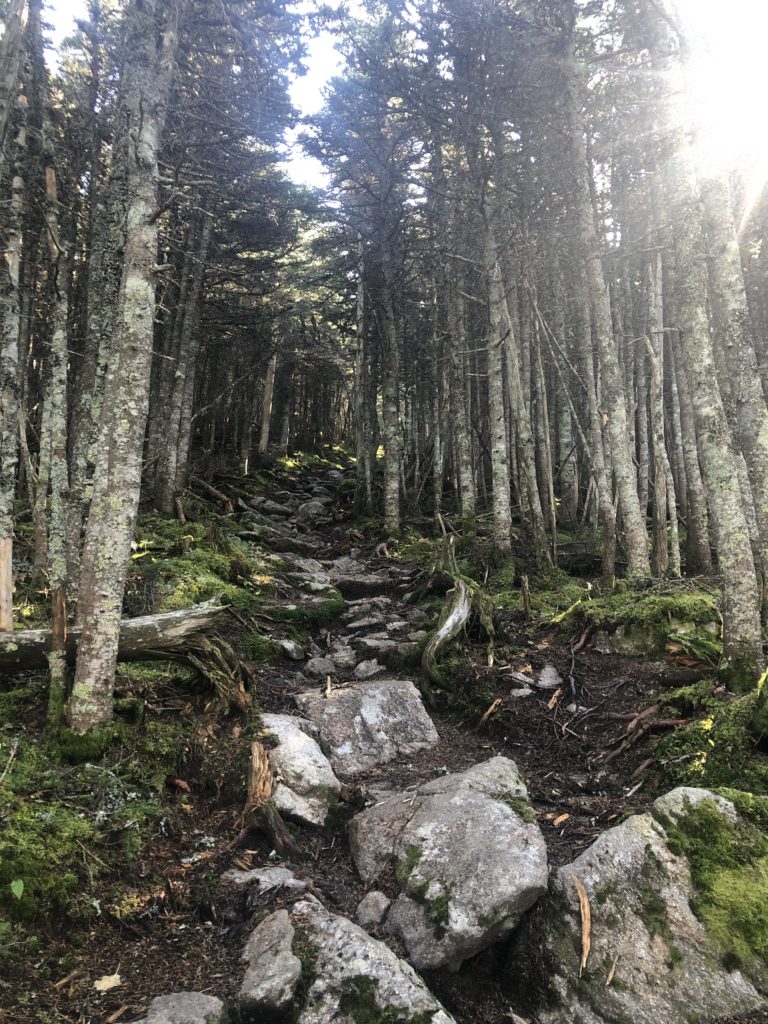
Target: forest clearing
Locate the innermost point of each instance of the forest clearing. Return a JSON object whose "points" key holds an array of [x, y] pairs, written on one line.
{"points": [[383, 556]]}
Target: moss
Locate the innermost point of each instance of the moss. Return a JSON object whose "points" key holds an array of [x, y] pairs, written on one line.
{"points": [[261, 649], [405, 867], [314, 614], [519, 805], [78, 748], [729, 870], [41, 843], [717, 749], [359, 1000], [658, 610]]}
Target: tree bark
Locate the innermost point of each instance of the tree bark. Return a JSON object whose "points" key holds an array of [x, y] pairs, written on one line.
{"points": [[117, 479]]}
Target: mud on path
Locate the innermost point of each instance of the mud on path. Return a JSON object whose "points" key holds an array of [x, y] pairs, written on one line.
{"points": [[191, 933]]}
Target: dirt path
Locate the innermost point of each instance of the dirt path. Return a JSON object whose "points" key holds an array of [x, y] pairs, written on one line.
{"points": [[195, 927]]}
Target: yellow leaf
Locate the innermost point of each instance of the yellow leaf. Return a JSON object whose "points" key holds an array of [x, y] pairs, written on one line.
{"points": [[560, 819], [108, 982]]}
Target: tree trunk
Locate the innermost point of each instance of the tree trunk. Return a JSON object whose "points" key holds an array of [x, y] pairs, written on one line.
{"points": [[117, 479]]}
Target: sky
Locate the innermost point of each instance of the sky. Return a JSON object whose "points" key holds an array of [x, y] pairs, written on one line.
{"points": [[729, 82]]}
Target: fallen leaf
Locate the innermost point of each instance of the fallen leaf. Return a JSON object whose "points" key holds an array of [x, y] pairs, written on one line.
{"points": [[554, 699], [560, 819], [181, 784], [586, 922], [108, 982]]}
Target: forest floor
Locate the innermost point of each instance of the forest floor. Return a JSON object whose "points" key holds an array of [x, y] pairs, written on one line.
{"points": [[163, 919]]}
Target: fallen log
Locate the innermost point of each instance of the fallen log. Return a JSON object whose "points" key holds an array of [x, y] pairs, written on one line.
{"points": [[146, 638]]}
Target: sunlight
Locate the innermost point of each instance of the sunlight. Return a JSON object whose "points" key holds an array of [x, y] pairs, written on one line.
{"points": [[728, 83]]}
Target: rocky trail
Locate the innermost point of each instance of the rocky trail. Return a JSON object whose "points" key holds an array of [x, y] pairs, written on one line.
{"points": [[511, 860]]}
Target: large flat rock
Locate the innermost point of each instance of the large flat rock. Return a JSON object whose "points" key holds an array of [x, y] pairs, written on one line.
{"points": [[466, 854], [369, 724]]}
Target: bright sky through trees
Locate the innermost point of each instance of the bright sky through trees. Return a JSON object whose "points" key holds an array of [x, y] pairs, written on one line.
{"points": [[729, 80]]}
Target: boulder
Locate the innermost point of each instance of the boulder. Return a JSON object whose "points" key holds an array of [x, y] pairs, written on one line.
{"points": [[184, 1008], [367, 725], [345, 974], [274, 971], [342, 656], [372, 908], [367, 669], [654, 957], [306, 787], [467, 855], [320, 667], [292, 650], [311, 511]]}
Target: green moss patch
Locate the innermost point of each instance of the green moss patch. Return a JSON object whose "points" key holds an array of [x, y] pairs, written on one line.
{"points": [[359, 1000], [718, 749], [729, 869]]}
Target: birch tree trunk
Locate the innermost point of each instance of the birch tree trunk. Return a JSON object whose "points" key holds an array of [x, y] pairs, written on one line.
{"points": [[12, 171], [742, 642], [117, 479], [733, 330]]}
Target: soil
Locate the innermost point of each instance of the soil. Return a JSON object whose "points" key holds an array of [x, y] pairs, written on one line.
{"points": [[193, 927]]}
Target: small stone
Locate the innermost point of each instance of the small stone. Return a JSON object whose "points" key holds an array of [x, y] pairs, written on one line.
{"points": [[549, 678], [273, 971], [675, 804], [184, 1008], [372, 908], [523, 691], [366, 669], [292, 650], [267, 878], [343, 657], [320, 667]]}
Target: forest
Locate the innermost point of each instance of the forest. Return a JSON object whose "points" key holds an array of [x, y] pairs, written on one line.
{"points": [[383, 556]]}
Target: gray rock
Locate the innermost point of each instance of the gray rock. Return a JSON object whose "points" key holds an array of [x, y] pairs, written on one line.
{"points": [[184, 1008], [522, 691], [368, 725], [380, 644], [272, 508], [292, 650], [367, 622], [362, 585], [674, 804], [306, 786], [311, 511], [357, 972], [320, 667], [397, 626], [666, 968], [372, 908], [549, 678], [467, 855], [366, 669], [266, 879], [274, 971], [342, 656]]}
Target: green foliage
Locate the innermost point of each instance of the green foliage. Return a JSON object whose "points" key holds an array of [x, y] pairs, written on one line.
{"points": [[261, 649], [313, 614], [41, 844], [551, 593], [663, 611], [717, 749], [729, 869]]}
